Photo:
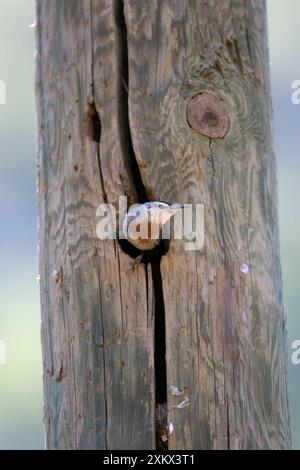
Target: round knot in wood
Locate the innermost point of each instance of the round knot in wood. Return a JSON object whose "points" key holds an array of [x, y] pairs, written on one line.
{"points": [[206, 115]]}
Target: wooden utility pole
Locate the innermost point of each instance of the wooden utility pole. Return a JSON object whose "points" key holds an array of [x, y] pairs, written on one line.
{"points": [[159, 100]]}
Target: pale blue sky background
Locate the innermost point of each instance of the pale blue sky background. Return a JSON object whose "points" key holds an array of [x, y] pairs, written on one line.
{"points": [[20, 380], [284, 43]]}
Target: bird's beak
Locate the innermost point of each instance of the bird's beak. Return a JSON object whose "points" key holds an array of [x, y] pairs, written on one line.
{"points": [[175, 208], [168, 213]]}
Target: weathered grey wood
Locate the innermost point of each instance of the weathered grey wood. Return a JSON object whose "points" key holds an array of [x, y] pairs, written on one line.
{"points": [[225, 332], [225, 329], [97, 318]]}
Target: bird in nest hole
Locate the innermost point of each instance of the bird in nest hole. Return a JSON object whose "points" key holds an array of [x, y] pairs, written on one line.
{"points": [[142, 230]]}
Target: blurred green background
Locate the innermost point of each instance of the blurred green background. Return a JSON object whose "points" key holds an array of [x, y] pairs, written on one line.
{"points": [[21, 378]]}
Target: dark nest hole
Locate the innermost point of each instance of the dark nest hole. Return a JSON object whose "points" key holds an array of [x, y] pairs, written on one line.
{"points": [[154, 255]]}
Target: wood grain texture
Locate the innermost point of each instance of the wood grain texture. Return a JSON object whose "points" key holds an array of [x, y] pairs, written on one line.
{"points": [[225, 329], [97, 318]]}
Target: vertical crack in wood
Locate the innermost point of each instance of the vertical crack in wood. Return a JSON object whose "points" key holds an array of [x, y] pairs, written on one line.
{"points": [[160, 336], [225, 323], [211, 155], [92, 117], [104, 360], [123, 102], [228, 427], [95, 135], [159, 319], [147, 287]]}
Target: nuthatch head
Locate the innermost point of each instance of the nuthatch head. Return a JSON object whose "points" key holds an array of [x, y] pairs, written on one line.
{"points": [[143, 223]]}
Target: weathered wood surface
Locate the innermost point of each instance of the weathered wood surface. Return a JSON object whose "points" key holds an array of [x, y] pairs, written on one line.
{"points": [[225, 330], [97, 320]]}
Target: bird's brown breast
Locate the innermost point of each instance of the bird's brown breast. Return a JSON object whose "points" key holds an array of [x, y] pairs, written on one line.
{"points": [[144, 242]]}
